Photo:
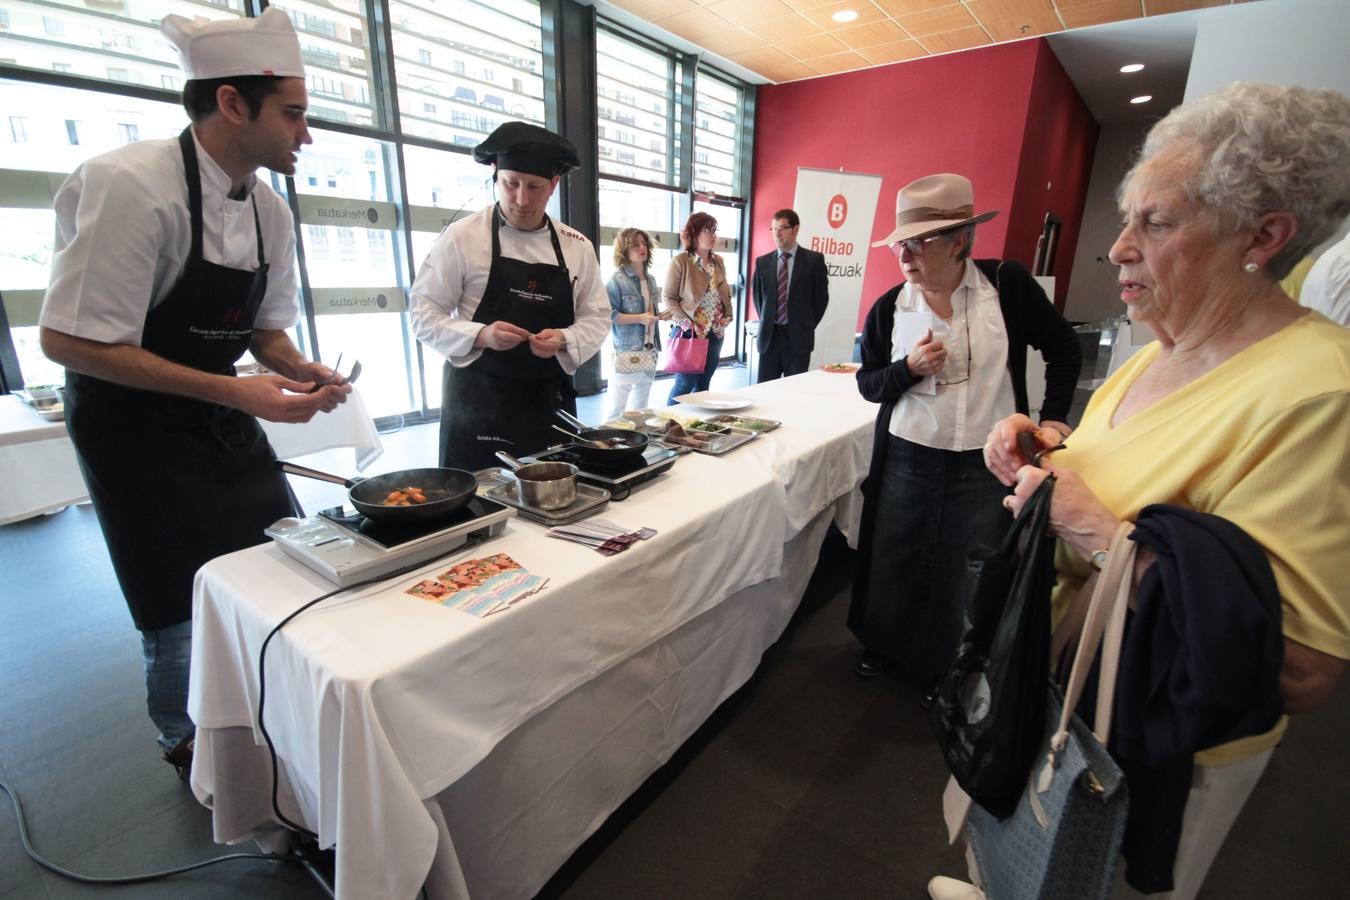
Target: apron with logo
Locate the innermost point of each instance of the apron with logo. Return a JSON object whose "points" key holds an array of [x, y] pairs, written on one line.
{"points": [[505, 399], [176, 481]]}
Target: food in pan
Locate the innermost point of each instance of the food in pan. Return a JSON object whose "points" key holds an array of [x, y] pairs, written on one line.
{"points": [[708, 427], [405, 497], [674, 434]]}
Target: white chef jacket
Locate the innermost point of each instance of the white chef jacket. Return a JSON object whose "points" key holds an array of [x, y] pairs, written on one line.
{"points": [[955, 416], [123, 234], [450, 284], [1327, 287]]}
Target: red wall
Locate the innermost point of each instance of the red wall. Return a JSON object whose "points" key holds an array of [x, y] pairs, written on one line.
{"points": [[985, 114]]}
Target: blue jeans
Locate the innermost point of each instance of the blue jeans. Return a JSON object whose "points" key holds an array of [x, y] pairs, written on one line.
{"points": [[693, 382], [168, 656]]}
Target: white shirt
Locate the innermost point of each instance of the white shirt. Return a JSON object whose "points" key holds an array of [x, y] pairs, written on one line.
{"points": [[1327, 287], [450, 284], [123, 234], [954, 416]]}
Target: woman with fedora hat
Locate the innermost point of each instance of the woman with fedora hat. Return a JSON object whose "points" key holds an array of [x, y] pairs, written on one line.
{"points": [[944, 354]]}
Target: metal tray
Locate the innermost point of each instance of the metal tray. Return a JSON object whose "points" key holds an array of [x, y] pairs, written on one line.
{"points": [[719, 444], [769, 424], [496, 484]]}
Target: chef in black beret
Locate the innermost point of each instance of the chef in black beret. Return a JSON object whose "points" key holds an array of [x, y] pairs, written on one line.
{"points": [[514, 302]]}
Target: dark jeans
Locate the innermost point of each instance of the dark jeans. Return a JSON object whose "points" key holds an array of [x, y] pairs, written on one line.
{"points": [[934, 507], [690, 383]]}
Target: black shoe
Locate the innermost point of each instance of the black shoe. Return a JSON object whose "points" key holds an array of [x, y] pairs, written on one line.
{"points": [[180, 757], [869, 664]]}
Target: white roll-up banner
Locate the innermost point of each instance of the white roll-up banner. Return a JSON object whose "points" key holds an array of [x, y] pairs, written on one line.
{"points": [[837, 209]]}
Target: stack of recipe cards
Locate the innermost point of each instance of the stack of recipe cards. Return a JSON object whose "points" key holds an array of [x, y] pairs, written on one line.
{"points": [[602, 535], [480, 586]]}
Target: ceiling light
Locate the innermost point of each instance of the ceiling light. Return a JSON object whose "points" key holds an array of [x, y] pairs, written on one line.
{"points": [[1132, 67], [844, 15], [1143, 98]]}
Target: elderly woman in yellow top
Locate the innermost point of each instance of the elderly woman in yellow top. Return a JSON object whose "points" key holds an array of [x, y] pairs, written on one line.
{"points": [[1240, 410]]}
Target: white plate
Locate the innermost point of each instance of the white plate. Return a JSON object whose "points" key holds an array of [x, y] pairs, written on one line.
{"points": [[714, 400]]}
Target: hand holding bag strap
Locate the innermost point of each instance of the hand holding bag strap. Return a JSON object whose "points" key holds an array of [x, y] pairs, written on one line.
{"points": [[1034, 513]]}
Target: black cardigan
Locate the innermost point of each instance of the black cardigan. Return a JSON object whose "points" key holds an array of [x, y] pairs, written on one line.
{"points": [[1030, 319]]}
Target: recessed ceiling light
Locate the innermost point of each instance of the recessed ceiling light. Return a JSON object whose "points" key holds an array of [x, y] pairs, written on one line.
{"points": [[844, 15], [1132, 67], [1143, 98]]}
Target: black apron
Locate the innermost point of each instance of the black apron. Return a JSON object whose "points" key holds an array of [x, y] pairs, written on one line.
{"points": [[177, 481], [504, 400]]}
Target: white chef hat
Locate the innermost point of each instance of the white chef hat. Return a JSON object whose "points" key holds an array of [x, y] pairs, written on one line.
{"points": [[265, 45]]}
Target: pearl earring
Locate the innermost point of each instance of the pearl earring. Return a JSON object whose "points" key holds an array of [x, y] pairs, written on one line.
{"points": [[1250, 266]]}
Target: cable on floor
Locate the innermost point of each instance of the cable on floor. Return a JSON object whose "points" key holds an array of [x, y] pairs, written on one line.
{"points": [[121, 879]]}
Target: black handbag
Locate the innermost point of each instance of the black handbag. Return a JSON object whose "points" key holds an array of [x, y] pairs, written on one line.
{"points": [[989, 713]]}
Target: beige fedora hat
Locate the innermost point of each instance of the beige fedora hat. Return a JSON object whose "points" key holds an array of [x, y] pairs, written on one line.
{"points": [[931, 204]]}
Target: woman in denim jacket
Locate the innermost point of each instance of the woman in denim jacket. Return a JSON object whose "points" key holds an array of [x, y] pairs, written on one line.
{"points": [[632, 298]]}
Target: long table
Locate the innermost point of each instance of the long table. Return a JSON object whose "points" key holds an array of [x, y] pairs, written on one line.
{"points": [[472, 756]]}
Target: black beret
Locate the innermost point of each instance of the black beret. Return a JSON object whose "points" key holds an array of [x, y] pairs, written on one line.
{"points": [[522, 147]]}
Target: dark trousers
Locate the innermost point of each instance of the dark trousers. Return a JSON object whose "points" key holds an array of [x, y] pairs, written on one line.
{"points": [[934, 507], [778, 359]]}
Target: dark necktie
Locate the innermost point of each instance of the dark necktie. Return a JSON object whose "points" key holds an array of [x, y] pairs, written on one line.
{"points": [[782, 316]]}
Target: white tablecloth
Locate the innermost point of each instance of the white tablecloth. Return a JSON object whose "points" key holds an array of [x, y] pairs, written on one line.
{"points": [[38, 471], [475, 755], [350, 425]]}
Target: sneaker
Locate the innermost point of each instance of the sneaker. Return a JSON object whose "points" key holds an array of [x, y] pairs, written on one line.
{"points": [[180, 757], [944, 888], [869, 664]]}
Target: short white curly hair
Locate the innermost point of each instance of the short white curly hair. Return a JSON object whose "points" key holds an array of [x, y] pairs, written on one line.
{"points": [[1264, 148]]}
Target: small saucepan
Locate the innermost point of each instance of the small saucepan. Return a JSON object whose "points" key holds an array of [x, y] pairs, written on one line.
{"points": [[543, 485], [446, 491], [620, 446]]}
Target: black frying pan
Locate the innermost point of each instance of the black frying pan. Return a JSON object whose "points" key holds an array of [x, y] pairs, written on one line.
{"points": [[447, 490], [628, 451]]}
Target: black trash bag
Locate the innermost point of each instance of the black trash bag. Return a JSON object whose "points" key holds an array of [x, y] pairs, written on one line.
{"points": [[989, 713]]}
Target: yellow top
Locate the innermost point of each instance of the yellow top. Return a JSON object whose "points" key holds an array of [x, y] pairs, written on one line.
{"points": [[1259, 440], [1293, 282]]}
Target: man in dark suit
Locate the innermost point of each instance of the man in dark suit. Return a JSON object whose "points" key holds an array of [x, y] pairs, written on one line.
{"points": [[791, 292]]}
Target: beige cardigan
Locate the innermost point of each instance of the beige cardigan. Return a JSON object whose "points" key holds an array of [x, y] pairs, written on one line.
{"points": [[686, 284]]}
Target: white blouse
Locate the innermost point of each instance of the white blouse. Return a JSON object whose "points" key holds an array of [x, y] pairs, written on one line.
{"points": [[955, 409], [123, 234]]}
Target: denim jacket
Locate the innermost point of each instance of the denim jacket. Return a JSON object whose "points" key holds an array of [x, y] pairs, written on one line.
{"points": [[625, 296]]}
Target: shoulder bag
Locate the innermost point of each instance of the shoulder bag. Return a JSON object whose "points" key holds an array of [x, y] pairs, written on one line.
{"points": [[1062, 842]]}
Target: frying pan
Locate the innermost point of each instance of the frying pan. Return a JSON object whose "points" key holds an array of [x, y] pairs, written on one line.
{"points": [[447, 490], [634, 442]]}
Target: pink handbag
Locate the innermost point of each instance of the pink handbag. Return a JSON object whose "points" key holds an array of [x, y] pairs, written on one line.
{"points": [[685, 354]]}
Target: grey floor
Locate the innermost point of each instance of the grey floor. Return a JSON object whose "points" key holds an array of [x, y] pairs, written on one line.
{"points": [[809, 782]]}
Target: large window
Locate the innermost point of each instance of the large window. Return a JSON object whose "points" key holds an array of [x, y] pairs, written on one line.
{"points": [[717, 132], [337, 61], [109, 41], [463, 68], [637, 109]]}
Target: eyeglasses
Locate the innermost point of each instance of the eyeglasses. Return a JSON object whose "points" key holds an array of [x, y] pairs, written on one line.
{"points": [[962, 376], [915, 245]]}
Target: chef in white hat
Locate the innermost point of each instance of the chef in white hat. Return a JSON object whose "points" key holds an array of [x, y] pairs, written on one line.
{"points": [[172, 260]]}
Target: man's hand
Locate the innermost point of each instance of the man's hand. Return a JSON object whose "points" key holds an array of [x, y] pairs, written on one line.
{"points": [[500, 335], [278, 399], [325, 380], [547, 343], [928, 356]]}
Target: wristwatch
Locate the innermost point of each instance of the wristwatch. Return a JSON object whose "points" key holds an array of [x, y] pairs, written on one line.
{"points": [[1098, 559]]}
